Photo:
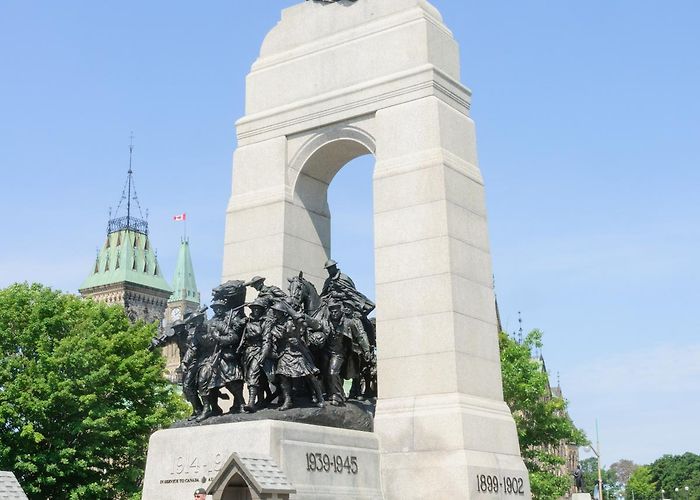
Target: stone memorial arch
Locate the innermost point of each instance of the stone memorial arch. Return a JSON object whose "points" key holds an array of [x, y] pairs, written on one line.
{"points": [[335, 81]]}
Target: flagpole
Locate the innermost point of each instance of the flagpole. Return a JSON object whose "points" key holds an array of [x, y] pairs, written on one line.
{"points": [[182, 218], [600, 479]]}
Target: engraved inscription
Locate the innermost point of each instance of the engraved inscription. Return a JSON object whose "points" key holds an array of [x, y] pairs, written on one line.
{"points": [[487, 482], [191, 468], [491, 483], [332, 464]]}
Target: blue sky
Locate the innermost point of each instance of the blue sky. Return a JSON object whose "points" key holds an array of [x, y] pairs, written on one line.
{"points": [[588, 122]]}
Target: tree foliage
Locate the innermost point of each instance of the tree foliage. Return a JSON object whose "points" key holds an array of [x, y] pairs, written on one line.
{"points": [[677, 471], [540, 418], [641, 485], [589, 467], [648, 482], [611, 483], [79, 395]]}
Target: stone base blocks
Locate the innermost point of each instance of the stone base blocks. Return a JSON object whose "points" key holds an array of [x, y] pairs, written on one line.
{"points": [[321, 463], [335, 81]]}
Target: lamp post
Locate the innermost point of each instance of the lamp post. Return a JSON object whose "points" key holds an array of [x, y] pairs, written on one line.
{"points": [[687, 493], [590, 447], [596, 450], [663, 494]]}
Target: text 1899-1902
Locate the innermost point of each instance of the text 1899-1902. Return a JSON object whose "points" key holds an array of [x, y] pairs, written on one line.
{"points": [[486, 483]]}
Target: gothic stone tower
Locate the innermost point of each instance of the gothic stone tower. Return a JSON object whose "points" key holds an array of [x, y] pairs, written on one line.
{"points": [[126, 270], [185, 299]]}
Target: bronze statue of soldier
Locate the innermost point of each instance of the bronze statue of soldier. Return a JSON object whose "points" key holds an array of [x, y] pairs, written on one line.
{"points": [[339, 360], [252, 350], [369, 369], [219, 362], [190, 365], [340, 287], [285, 345], [360, 359], [177, 333], [268, 293]]}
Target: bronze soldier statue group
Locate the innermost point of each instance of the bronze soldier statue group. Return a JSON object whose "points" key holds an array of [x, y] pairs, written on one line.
{"points": [[287, 344]]}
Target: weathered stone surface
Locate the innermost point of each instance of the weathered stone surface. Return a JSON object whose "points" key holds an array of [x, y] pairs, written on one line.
{"points": [[182, 459]]}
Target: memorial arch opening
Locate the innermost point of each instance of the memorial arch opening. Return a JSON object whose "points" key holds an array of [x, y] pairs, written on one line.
{"points": [[319, 161]]}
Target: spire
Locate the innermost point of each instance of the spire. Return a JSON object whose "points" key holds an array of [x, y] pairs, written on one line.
{"points": [[127, 255], [184, 283], [495, 299], [128, 221], [498, 315], [129, 176]]}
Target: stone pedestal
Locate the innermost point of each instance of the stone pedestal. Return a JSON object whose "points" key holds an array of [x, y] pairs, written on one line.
{"points": [[581, 496], [321, 463]]}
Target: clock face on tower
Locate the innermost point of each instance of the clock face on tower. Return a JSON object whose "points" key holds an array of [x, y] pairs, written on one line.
{"points": [[175, 314]]}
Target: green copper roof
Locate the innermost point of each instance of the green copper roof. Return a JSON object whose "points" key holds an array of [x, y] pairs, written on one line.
{"points": [[184, 284], [126, 256]]}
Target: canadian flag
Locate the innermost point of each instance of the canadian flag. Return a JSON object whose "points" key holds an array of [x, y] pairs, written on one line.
{"points": [[182, 216]]}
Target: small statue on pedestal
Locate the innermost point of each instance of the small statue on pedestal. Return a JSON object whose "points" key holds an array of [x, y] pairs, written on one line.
{"points": [[578, 479]]}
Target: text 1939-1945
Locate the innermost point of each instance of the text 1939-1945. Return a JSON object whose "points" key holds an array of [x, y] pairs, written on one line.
{"points": [[332, 464]]}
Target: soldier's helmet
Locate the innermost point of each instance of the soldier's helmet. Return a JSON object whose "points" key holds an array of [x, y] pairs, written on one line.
{"points": [[197, 317], [178, 324], [218, 305], [330, 263], [262, 304], [280, 306], [253, 280]]}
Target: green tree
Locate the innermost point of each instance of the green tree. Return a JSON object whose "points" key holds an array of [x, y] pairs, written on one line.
{"points": [[540, 418], [80, 395], [677, 471], [641, 485], [589, 467], [611, 483]]}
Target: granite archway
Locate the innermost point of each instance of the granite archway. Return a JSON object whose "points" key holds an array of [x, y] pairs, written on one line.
{"points": [[382, 77]]}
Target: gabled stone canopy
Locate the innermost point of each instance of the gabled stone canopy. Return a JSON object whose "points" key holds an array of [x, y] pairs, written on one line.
{"points": [[261, 475], [9, 487]]}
